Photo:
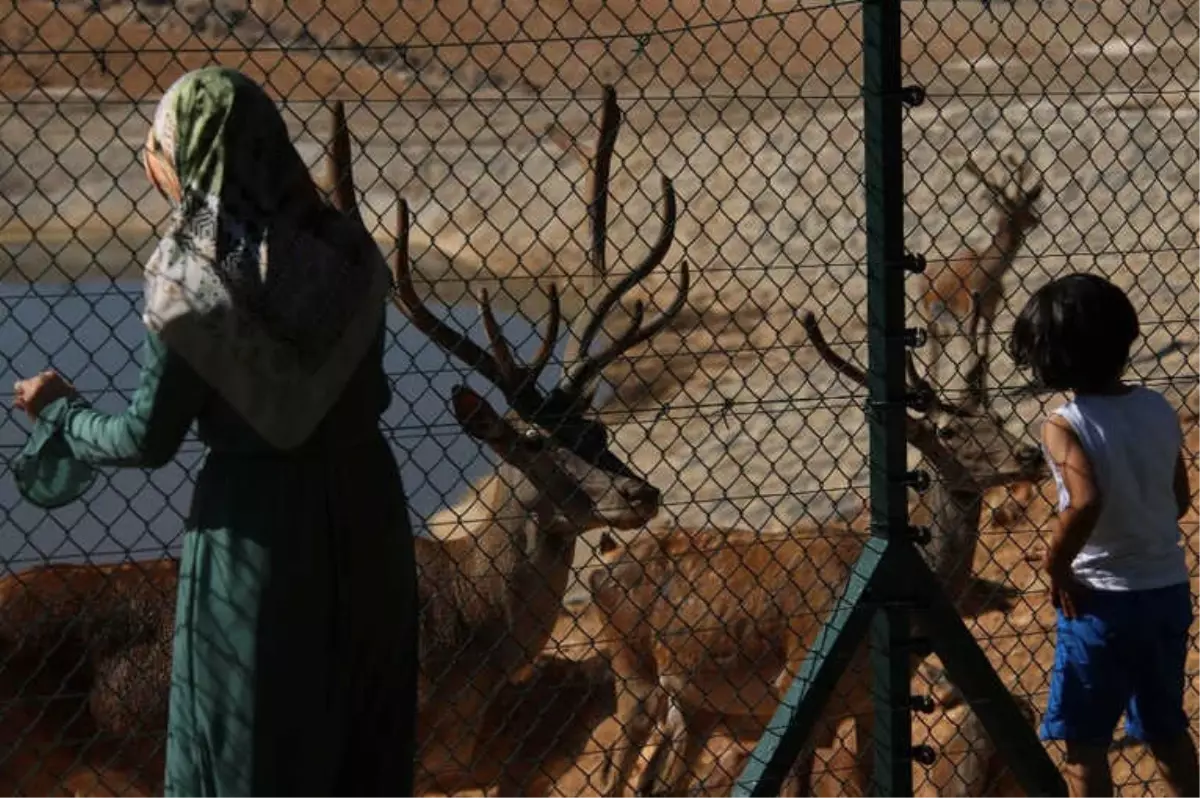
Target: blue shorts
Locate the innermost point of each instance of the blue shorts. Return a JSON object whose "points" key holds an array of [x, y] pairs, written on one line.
{"points": [[1125, 652]]}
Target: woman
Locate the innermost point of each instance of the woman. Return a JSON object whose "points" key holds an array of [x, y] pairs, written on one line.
{"points": [[294, 665]]}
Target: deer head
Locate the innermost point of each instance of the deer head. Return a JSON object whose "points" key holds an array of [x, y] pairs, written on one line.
{"points": [[1018, 209], [559, 448], [965, 440]]}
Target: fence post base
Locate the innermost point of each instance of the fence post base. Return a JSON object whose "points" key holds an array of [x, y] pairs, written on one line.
{"points": [[888, 574]]}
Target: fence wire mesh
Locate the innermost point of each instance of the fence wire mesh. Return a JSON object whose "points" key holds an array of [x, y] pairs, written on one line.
{"points": [[652, 659]]}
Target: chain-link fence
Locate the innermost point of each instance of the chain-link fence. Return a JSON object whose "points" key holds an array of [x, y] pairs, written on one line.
{"points": [[1048, 137]]}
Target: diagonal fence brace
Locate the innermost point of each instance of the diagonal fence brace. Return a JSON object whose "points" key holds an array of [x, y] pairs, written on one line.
{"points": [[786, 734], [887, 574]]}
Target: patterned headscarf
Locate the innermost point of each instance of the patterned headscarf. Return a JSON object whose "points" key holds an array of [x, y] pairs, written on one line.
{"points": [[269, 294]]}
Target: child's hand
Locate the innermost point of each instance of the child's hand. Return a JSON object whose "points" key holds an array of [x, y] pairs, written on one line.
{"points": [[1065, 592]]}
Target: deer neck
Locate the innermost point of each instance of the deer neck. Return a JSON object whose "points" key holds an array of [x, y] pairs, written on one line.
{"points": [[517, 558], [1005, 244], [956, 504], [522, 537]]}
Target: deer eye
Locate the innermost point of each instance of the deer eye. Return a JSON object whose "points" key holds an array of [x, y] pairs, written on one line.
{"points": [[531, 435], [946, 433]]}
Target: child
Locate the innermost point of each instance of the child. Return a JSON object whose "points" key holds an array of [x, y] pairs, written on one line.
{"points": [[1117, 572]]}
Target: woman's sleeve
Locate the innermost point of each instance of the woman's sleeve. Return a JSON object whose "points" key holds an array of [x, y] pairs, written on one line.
{"points": [[69, 438]]}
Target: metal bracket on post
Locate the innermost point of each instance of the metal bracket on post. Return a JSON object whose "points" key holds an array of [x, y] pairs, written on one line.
{"points": [[914, 263], [913, 95], [918, 480], [924, 754]]}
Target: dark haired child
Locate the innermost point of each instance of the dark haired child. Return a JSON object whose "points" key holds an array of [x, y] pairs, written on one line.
{"points": [[1118, 576]]}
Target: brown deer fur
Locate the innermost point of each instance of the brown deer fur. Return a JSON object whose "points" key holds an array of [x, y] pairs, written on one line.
{"points": [[538, 729], [85, 650], [721, 622]]}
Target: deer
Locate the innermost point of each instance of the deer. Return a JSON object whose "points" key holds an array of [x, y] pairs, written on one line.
{"points": [[701, 622], [946, 289], [582, 476], [85, 651]]}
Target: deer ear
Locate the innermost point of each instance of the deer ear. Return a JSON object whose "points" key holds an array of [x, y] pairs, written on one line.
{"points": [[478, 418]]}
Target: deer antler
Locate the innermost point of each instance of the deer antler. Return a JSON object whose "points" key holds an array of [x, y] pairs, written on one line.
{"points": [[591, 366], [921, 397], [339, 174], [1020, 167], [920, 432], [997, 191], [610, 124], [584, 372], [836, 361], [517, 382]]}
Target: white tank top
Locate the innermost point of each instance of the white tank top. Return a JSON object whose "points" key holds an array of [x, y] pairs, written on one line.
{"points": [[1132, 441]]}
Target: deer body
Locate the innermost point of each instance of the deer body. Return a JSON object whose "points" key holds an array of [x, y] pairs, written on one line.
{"points": [[535, 739], [947, 289], [705, 622], [489, 602], [99, 637]]}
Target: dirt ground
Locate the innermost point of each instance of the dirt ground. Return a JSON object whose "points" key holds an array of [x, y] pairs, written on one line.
{"points": [[729, 411]]}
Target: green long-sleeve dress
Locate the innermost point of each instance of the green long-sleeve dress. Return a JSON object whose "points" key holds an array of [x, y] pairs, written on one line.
{"points": [[295, 656]]}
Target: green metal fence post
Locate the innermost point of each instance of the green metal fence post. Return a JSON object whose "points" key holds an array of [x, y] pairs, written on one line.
{"points": [[890, 628], [884, 175], [891, 582]]}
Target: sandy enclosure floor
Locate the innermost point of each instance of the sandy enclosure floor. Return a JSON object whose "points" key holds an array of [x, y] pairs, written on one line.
{"points": [[729, 412]]}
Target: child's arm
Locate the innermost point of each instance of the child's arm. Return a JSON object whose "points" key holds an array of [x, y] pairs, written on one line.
{"points": [[1183, 488], [1078, 519]]}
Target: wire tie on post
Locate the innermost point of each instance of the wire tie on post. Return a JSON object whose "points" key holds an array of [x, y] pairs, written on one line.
{"points": [[924, 755], [914, 263], [918, 480], [912, 95]]}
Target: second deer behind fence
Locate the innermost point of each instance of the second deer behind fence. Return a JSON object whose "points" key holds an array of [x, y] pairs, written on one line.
{"points": [[705, 627]]}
